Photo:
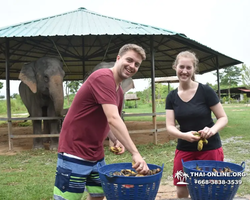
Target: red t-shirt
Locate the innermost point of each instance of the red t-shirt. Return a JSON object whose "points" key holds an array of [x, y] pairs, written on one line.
{"points": [[85, 126]]}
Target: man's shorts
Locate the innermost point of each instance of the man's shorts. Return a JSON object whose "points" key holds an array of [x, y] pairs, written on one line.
{"points": [[73, 175], [216, 154]]}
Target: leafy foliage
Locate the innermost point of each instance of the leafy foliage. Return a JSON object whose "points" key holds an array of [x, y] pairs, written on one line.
{"points": [[230, 76], [246, 76], [161, 92], [72, 86], [1, 86], [14, 96]]}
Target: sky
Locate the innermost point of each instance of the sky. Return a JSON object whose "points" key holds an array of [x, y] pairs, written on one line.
{"points": [[222, 25]]}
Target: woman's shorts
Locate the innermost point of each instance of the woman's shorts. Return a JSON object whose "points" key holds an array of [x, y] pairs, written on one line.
{"points": [[73, 175], [216, 154]]}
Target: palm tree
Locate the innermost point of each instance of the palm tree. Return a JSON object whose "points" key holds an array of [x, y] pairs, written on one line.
{"points": [[178, 175], [185, 176]]}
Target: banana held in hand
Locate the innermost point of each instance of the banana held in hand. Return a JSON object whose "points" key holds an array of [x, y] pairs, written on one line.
{"points": [[115, 149], [200, 145], [200, 142], [204, 141]]}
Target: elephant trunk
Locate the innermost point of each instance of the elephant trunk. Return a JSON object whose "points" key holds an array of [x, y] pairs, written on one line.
{"points": [[56, 93]]}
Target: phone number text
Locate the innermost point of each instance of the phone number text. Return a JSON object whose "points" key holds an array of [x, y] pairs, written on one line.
{"points": [[218, 182]]}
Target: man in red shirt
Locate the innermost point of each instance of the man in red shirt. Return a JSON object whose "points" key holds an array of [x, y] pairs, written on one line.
{"points": [[93, 116]]}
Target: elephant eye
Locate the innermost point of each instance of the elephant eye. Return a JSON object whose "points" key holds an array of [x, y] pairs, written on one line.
{"points": [[46, 79]]}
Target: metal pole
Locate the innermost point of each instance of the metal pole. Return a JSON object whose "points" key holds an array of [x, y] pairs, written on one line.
{"points": [[83, 60], [218, 77], [7, 64], [153, 86]]}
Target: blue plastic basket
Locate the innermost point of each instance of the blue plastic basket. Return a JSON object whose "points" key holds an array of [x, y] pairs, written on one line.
{"points": [[129, 188], [208, 185]]}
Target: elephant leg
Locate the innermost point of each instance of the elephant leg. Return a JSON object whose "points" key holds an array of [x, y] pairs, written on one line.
{"points": [[37, 129], [54, 125]]}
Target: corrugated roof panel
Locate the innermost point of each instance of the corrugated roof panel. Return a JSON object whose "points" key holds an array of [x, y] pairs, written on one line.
{"points": [[79, 22], [82, 39]]}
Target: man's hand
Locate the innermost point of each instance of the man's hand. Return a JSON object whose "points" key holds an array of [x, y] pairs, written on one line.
{"points": [[139, 164], [117, 148]]}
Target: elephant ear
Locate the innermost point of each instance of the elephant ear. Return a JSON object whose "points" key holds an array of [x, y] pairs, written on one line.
{"points": [[127, 84], [27, 75]]}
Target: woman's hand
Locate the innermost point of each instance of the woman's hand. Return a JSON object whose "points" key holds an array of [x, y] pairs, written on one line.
{"points": [[190, 136], [207, 132]]}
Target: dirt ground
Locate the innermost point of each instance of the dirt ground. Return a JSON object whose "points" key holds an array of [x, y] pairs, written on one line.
{"points": [[166, 190]]}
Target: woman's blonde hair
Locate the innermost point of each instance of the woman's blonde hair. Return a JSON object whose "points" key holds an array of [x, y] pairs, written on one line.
{"points": [[192, 56]]}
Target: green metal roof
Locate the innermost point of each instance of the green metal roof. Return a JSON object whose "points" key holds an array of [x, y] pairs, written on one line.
{"points": [[82, 39], [79, 22]]}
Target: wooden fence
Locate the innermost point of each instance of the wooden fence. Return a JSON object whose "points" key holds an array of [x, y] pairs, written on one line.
{"points": [[11, 136]]}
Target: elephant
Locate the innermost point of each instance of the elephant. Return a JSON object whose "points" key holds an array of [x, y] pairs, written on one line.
{"points": [[126, 85], [41, 90]]}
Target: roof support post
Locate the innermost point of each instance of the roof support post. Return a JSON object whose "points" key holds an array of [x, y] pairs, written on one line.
{"points": [[218, 77], [83, 60], [7, 71], [153, 86]]}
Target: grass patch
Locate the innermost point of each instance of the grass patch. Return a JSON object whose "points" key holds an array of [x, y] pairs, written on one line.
{"points": [[30, 175], [236, 140]]}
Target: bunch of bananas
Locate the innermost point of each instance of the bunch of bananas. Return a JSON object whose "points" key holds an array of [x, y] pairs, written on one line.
{"points": [[129, 172], [225, 169], [200, 142]]}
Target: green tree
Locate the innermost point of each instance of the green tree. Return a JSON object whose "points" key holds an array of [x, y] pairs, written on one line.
{"points": [[246, 76], [72, 87], [158, 92], [230, 77], [1, 86], [214, 87], [14, 96]]}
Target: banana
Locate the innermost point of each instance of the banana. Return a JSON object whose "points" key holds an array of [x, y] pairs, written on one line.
{"points": [[128, 172], [115, 149], [204, 141], [139, 175], [215, 170], [200, 145], [198, 168], [197, 134], [201, 141]]}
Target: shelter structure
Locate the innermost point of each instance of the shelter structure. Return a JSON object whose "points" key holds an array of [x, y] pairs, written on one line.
{"points": [[236, 92], [132, 97], [171, 79], [82, 39]]}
